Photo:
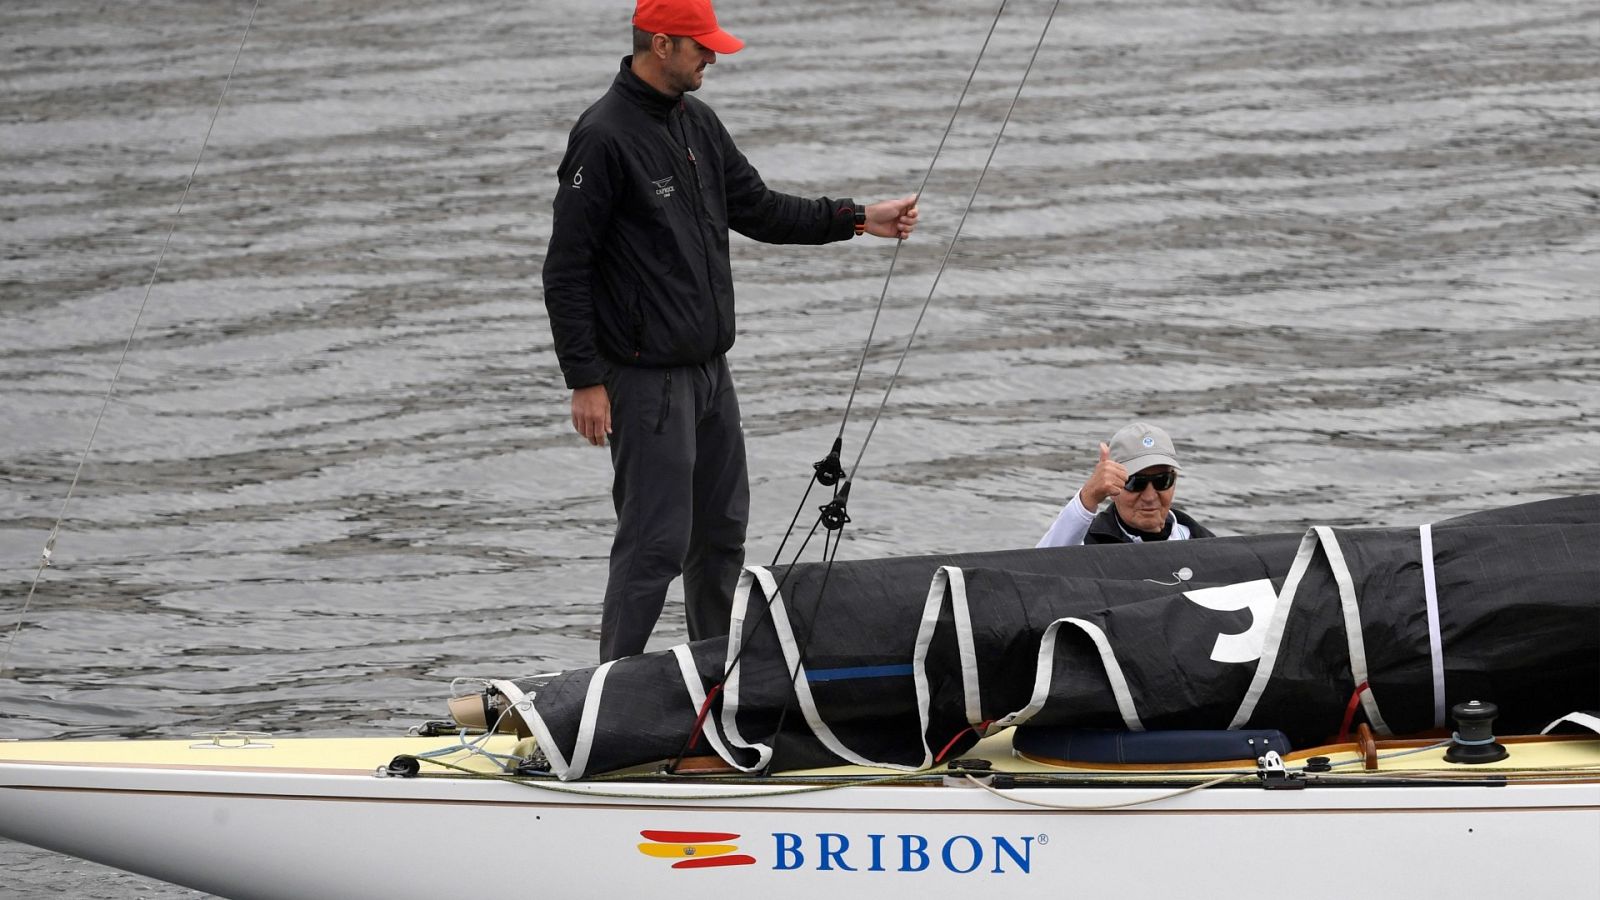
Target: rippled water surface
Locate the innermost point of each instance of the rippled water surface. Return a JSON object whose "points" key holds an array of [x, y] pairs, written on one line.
{"points": [[1345, 252]]}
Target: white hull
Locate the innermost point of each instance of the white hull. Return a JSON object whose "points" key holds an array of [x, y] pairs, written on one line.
{"points": [[281, 833]]}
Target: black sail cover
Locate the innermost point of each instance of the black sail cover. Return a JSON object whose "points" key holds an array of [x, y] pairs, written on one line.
{"points": [[901, 662]]}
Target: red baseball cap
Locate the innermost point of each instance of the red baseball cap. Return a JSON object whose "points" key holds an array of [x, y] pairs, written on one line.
{"points": [[685, 18]]}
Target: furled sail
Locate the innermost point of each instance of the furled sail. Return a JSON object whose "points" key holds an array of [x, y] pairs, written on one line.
{"points": [[893, 662]]}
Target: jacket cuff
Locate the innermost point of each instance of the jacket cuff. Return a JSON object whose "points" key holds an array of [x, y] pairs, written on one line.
{"points": [[584, 374], [843, 226]]}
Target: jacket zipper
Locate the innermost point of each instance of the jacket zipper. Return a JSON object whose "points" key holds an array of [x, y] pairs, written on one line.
{"points": [[705, 215]]}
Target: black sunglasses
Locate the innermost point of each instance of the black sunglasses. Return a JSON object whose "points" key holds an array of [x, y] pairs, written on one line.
{"points": [[1162, 480]]}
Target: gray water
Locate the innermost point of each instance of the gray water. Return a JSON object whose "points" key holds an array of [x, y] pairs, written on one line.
{"points": [[1345, 252]]}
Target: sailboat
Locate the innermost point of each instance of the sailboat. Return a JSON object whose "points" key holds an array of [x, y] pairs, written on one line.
{"points": [[1008, 723], [932, 725]]}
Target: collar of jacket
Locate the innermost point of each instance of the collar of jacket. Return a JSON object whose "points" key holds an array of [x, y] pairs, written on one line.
{"points": [[641, 94], [1108, 528]]}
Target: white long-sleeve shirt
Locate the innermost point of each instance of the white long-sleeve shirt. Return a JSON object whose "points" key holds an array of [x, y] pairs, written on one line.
{"points": [[1072, 524]]}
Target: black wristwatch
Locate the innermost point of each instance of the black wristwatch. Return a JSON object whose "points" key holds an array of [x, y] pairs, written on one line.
{"points": [[861, 219]]}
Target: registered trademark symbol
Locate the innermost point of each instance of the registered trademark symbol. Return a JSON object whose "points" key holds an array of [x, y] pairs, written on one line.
{"points": [[1044, 839]]}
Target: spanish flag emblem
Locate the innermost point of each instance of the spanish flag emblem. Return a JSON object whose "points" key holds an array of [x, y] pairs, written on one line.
{"points": [[694, 849]]}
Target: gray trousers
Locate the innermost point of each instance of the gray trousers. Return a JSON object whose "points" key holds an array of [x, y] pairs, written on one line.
{"points": [[682, 496]]}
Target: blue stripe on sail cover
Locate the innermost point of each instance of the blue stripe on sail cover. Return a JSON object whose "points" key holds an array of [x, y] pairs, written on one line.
{"points": [[858, 672]]}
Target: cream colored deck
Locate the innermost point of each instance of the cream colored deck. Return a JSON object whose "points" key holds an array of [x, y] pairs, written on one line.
{"points": [[1530, 757]]}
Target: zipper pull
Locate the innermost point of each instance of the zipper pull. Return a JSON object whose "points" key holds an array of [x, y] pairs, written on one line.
{"points": [[695, 165]]}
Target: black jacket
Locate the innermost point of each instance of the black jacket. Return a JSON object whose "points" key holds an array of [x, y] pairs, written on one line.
{"points": [[1107, 528], [637, 271]]}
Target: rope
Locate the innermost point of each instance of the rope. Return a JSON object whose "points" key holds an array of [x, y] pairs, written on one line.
{"points": [[1097, 807], [639, 795], [55, 530], [884, 293], [954, 238], [907, 777]]}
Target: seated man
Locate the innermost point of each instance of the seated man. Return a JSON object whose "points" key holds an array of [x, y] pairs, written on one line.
{"points": [[1141, 507]]}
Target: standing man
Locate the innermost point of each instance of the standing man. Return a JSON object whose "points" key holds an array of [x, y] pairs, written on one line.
{"points": [[640, 295], [1138, 470]]}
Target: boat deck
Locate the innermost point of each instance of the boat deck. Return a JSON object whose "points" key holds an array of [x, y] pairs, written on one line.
{"points": [[1530, 757]]}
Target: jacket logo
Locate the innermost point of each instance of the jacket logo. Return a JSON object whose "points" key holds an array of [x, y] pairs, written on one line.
{"points": [[577, 178], [664, 187]]}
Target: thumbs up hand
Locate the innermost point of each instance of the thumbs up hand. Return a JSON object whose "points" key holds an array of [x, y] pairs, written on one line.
{"points": [[1105, 481]]}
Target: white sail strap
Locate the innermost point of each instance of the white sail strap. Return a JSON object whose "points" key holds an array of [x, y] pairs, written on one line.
{"points": [[801, 685], [731, 683], [1430, 592], [1581, 719], [1044, 668], [1350, 606], [1350, 609], [586, 722], [697, 697], [523, 705]]}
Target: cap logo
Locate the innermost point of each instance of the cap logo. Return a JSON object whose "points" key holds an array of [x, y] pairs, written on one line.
{"points": [[1148, 441]]}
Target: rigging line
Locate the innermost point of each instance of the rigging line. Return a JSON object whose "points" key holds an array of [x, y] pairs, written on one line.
{"points": [[777, 555], [883, 295], [55, 530], [766, 608], [866, 347], [954, 239], [801, 643]]}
